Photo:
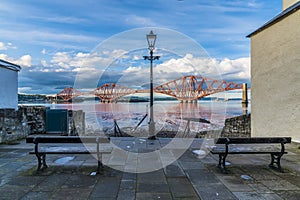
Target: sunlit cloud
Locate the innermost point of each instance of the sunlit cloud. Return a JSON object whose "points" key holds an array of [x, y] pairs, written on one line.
{"points": [[23, 61]]}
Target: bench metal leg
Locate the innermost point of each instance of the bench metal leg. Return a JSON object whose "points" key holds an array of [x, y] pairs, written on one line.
{"points": [[41, 159], [222, 162], [275, 159], [99, 157], [39, 162], [99, 167], [44, 162]]}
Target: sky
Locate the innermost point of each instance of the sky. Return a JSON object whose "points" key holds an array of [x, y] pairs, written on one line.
{"points": [[87, 43]]}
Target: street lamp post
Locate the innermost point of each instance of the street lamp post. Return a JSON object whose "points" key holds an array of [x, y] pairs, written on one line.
{"points": [[151, 38]]}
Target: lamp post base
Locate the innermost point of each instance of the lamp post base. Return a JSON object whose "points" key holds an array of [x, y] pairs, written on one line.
{"points": [[153, 137], [152, 130]]}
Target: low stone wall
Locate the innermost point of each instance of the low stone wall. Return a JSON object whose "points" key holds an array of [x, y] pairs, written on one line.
{"points": [[13, 125], [35, 117], [237, 126], [17, 124], [32, 120], [76, 122]]}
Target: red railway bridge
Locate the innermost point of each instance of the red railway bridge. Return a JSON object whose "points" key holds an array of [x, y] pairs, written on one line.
{"points": [[186, 88]]}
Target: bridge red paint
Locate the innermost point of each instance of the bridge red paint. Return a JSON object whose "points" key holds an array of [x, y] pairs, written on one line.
{"points": [[186, 88], [69, 93]]}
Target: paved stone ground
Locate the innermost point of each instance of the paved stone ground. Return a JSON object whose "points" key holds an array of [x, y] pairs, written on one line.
{"points": [[189, 177]]}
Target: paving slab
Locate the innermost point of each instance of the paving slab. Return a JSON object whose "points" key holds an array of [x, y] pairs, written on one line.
{"points": [[153, 196], [152, 188], [152, 177], [174, 170], [37, 195], [181, 188], [126, 195], [52, 183], [248, 196], [214, 191], [106, 187], [235, 184], [71, 193], [290, 195]]}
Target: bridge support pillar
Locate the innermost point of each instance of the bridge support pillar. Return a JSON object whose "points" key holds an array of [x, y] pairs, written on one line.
{"points": [[245, 99]]}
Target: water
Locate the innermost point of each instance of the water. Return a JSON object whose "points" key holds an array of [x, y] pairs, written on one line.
{"points": [[168, 115]]}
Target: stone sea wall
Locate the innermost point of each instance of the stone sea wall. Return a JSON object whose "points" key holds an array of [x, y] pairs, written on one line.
{"points": [[35, 117], [17, 124], [13, 125], [237, 126], [76, 122]]}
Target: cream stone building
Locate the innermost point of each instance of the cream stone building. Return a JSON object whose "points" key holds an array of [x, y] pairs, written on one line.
{"points": [[275, 75]]}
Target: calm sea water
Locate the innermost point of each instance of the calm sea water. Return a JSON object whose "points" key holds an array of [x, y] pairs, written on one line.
{"points": [[167, 114]]}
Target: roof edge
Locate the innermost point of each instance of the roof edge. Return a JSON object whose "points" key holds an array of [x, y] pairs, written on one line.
{"points": [[290, 10], [9, 65]]}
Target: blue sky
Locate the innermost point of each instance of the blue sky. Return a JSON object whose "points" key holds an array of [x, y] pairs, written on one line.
{"points": [[51, 39]]}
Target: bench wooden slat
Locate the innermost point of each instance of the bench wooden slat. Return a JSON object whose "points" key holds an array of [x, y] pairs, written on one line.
{"points": [[72, 150], [254, 140], [243, 148], [244, 151], [66, 139]]}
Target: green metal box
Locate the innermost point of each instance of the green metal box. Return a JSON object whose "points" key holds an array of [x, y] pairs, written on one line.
{"points": [[57, 121]]}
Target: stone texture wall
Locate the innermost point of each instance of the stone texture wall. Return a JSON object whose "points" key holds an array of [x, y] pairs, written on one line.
{"points": [[76, 122], [17, 124], [237, 126], [35, 118], [13, 125]]}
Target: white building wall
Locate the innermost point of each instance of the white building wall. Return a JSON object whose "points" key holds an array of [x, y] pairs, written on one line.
{"points": [[8, 88]]}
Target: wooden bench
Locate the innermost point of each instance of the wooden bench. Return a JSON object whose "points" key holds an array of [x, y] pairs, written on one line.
{"points": [[41, 152], [254, 145]]}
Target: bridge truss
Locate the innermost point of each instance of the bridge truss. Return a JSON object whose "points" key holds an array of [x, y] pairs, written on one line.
{"points": [[189, 88], [112, 92], [186, 88], [69, 93]]}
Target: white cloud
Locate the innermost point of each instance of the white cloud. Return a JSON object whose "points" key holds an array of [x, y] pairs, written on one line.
{"points": [[44, 63], [9, 45], [135, 20], [43, 51], [180, 65], [83, 62], [23, 61], [136, 57], [61, 59], [212, 67], [237, 70], [4, 57], [24, 89], [132, 69], [60, 19], [2, 46]]}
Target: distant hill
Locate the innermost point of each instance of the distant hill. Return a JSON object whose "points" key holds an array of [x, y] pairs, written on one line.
{"points": [[31, 98]]}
